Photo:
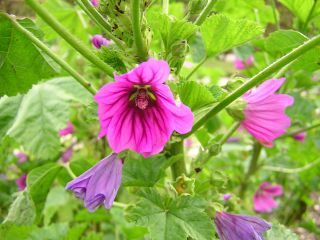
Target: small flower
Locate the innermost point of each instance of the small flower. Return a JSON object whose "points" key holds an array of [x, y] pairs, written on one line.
{"points": [[138, 111], [264, 114], [227, 197], [233, 140], [301, 137], [98, 41], [263, 198], [69, 129], [21, 156], [22, 182], [95, 3], [100, 184], [243, 64], [67, 154], [240, 227]]}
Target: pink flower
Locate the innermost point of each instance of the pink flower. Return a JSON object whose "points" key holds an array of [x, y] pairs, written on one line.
{"points": [[95, 3], [138, 111], [227, 197], [67, 154], [21, 182], [300, 136], [69, 129], [263, 198], [243, 64], [21, 156], [98, 41], [265, 117]]}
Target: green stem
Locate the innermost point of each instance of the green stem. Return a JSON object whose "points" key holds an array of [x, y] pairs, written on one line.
{"points": [[291, 170], [196, 67], [205, 12], [66, 35], [253, 166], [232, 129], [305, 25], [165, 6], [274, 8], [300, 131], [119, 204], [98, 18], [136, 28], [69, 170], [179, 167], [47, 50], [255, 80]]}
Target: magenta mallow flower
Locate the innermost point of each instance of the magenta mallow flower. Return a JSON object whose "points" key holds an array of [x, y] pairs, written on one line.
{"points": [[98, 41], [301, 137], [69, 129], [100, 184], [95, 3], [138, 111], [263, 198], [240, 227], [22, 157], [243, 64], [227, 197], [22, 182], [264, 114]]}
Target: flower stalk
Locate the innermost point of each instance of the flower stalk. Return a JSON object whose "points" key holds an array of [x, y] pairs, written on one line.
{"points": [[179, 167], [206, 11], [228, 134], [255, 80], [66, 35], [136, 28], [197, 67], [300, 131]]}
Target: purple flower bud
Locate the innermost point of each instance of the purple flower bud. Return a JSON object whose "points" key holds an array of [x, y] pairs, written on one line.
{"points": [[240, 227], [301, 137], [95, 3], [227, 196], [100, 184], [21, 156], [98, 41], [21, 182], [69, 129], [67, 154]]}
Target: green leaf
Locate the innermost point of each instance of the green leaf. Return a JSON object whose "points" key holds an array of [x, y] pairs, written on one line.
{"points": [[144, 172], [21, 63], [280, 232], [22, 210], [112, 57], [283, 41], [9, 231], [42, 111], [39, 181], [53, 232], [221, 33], [195, 95], [300, 8], [168, 218]]}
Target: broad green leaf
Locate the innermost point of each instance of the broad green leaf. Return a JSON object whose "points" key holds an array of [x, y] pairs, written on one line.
{"points": [[221, 33], [113, 58], [22, 210], [39, 181], [21, 63], [53, 232], [282, 41], [36, 119], [168, 218], [280, 232], [10, 231], [300, 8], [195, 95]]}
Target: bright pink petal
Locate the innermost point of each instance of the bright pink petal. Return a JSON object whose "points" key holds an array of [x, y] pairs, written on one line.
{"points": [[271, 190], [264, 203]]}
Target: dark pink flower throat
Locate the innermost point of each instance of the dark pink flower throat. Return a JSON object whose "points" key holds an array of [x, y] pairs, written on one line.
{"points": [[143, 97]]}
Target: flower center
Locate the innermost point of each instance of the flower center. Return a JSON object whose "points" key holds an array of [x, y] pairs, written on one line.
{"points": [[142, 97]]}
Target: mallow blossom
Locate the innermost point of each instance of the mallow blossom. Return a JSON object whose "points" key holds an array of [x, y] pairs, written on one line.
{"points": [[100, 184], [22, 157], [138, 111], [240, 227], [264, 114], [300, 137], [98, 41], [69, 129], [243, 64], [22, 182], [95, 3], [263, 200]]}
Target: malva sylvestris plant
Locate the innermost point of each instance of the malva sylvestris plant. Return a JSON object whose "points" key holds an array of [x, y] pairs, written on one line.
{"points": [[150, 93]]}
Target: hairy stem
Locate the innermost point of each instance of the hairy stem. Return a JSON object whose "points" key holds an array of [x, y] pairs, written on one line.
{"points": [[57, 59], [179, 167], [196, 67], [98, 18], [136, 28], [69, 170], [66, 35], [232, 129], [253, 166], [205, 12], [291, 170], [300, 131], [255, 80]]}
